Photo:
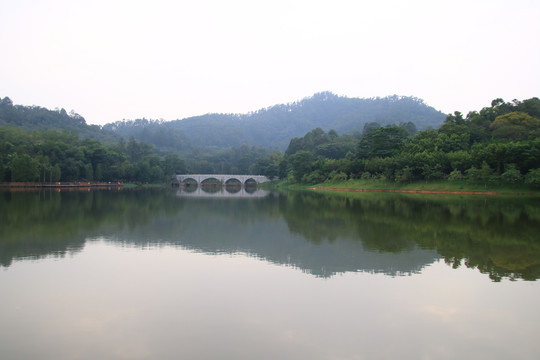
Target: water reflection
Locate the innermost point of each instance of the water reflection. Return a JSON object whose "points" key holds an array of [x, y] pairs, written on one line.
{"points": [[321, 234], [225, 191]]}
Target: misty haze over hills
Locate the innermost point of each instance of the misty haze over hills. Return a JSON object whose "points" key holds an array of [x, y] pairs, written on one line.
{"points": [[273, 127], [270, 128]]}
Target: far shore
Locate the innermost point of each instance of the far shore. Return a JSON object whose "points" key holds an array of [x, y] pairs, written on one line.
{"points": [[73, 184], [409, 191], [431, 187]]}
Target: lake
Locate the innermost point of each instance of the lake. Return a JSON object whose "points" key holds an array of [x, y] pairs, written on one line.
{"points": [[250, 274]]}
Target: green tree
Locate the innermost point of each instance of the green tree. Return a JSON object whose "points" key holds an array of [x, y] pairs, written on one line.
{"points": [[3, 171], [143, 172], [511, 175], [88, 172], [98, 174], [382, 142], [267, 166], [301, 164], [459, 160], [455, 175], [284, 167], [24, 168], [157, 174], [515, 125], [486, 173], [404, 175], [530, 106], [56, 173], [137, 150], [173, 164], [310, 141], [472, 175], [533, 178]]}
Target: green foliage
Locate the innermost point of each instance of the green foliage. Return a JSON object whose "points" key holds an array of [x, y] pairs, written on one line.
{"points": [[52, 156], [236, 160], [515, 126], [497, 144], [382, 142], [493, 146], [328, 145], [88, 172], [533, 178], [455, 175], [23, 168], [301, 165], [337, 176], [498, 237], [366, 175], [267, 166], [472, 175], [404, 175], [274, 127], [173, 164], [486, 173], [511, 175], [34, 118]]}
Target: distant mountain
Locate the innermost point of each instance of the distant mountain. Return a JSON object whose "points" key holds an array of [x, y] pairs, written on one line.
{"points": [[271, 127], [33, 118], [274, 127]]}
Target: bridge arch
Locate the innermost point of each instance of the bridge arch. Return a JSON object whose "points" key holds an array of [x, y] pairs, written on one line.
{"points": [[233, 181], [199, 178]]}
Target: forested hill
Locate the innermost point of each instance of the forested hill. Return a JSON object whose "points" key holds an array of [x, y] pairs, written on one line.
{"points": [[274, 127], [32, 118]]}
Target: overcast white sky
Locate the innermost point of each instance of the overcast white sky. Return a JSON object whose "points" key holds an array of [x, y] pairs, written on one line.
{"points": [[112, 60]]}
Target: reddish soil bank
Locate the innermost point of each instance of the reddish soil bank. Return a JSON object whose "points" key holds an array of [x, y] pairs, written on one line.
{"points": [[74, 184], [410, 191]]}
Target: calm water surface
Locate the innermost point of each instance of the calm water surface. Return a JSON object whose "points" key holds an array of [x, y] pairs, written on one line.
{"points": [[257, 275]]}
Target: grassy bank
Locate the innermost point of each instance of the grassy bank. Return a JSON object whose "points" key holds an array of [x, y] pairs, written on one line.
{"points": [[440, 186]]}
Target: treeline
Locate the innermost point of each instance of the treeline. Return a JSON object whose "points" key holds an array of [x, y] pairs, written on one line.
{"points": [[498, 144], [273, 127], [37, 144], [236, 160], [52, 155], [32, 118]]}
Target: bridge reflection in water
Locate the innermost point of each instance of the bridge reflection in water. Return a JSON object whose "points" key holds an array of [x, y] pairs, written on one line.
{"points": [[224, 192]]}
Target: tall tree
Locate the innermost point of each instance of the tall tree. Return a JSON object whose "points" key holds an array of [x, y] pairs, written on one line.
{"points": [[24, 168]]}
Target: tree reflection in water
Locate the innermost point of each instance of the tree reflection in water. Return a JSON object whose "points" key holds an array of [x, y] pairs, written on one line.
{"points": [[320, 233]]}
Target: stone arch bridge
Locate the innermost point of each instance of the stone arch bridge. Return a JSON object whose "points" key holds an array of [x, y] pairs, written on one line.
{"points": [[199, 178]]}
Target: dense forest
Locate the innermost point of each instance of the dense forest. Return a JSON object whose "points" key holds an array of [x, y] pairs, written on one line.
{"points": [[498, 144], [31, 118], [52, 155], [38, 144], [273, 127]]}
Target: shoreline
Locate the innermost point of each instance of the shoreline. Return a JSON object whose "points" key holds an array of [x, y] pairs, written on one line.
{"points": [[436, 187], [56, 185], [408, 191]]}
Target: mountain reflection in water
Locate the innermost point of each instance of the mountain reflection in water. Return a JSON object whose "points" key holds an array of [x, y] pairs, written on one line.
{"points": [[321, 234]]}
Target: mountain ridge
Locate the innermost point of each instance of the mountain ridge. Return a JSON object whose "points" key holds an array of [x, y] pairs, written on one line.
{"points": [[37, 118], [275, 126], [271, 128]]}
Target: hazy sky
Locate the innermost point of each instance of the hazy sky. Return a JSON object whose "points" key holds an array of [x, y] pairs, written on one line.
{"points": [[113, 60]]}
